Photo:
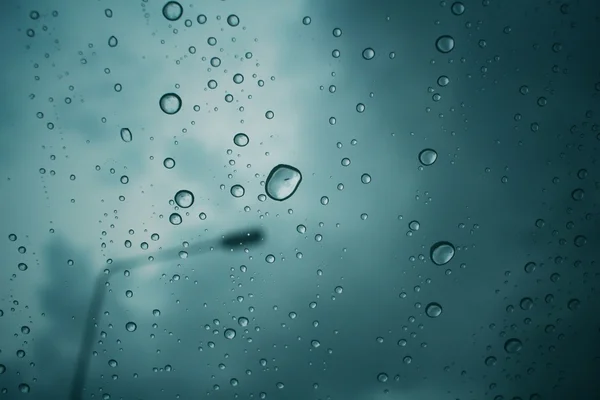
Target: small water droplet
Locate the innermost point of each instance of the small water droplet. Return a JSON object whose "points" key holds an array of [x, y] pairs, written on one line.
{"points": [[365, 178], [306, 20], [131, 326], [382, 377], [113, 363]]}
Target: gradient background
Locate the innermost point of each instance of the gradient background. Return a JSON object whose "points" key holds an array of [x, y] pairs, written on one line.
{"points": [[500, 191]]}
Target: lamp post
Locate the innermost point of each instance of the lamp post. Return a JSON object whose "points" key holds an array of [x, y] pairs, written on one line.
{"points": [[227, 242]]}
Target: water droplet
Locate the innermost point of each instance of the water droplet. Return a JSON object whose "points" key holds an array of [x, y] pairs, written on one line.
{"points": [[577, 194], [25, 330], [175, 219], [368, 53], [170, 103], [238, 78], [490, 361], [513, 345], [306, 20], [282, 182], [233, 20], [529, 267], [241, 139], [269, 114], [112, 41], [441, 252], [414, 225], [365, 178], [573, 304], [129, 294], [443, 81], [526, 303], [34, 15], [360, 107], [131, 326], [237, 190], [156, 312], [126, 135], [113, 363], [201, 19], [22, 267], [324, 200], [24, 388], [427, 157], [2, 369], [445, 43], [184, 198], [433, 310], [458, 8], [270, 258], [337, 32], [172, 11], [346, 161], [315, 343], [301, 228], [580, 241], [169, 163], [382, 377], [230, 333], [243, 321], [12, 237]]}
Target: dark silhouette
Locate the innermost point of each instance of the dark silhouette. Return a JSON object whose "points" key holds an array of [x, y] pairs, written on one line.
{"points": [[229, 241]]}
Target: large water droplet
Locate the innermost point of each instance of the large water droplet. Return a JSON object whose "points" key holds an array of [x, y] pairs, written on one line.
{"points": [[175, 219], [445, 44], [169, 163], [126, 135], [427, 157], [282, 182], [184, 198], [170, 103], [433, 310], [131, 326], [233, 20], [237, 190], [230, 333], [24, 388], [112, 41], [368, 53], [513, 345], [441, 252], [241, 139], [172, 11], [458, 8]]}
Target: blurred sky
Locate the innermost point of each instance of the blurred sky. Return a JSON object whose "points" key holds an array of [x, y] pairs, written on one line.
{"points": [[515, 131]]}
